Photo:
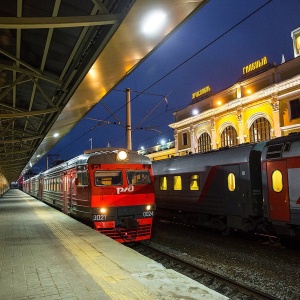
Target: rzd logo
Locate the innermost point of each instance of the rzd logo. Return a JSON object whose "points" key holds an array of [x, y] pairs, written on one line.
{"points": [[129, 189]]}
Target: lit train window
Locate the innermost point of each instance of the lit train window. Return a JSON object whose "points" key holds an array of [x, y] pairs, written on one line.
{"points": [[108, 178], [177, 183], [138, 177], [163, 183], [194, 182], [231, 182], [277, 183], [65, 185]]}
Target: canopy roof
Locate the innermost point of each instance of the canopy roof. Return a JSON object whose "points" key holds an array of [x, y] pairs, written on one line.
{"points": [[47, 49]]}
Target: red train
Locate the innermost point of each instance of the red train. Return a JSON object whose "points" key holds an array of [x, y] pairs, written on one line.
{"points": [[111, 188], [251, 187]]}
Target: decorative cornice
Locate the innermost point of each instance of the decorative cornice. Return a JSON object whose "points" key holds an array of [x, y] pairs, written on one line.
{"points": [[264, 93], [290, 127]]}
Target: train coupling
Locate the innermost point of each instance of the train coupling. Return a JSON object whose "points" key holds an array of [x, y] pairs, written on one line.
{"points": [[128, 222]]}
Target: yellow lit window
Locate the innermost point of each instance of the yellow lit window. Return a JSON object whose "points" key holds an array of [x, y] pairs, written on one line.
{"points": [[163, 183], [194, 182], [277, 183], [231, 182], [177, 183]]}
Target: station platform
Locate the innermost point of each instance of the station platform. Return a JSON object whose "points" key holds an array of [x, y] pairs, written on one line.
{"points": [[45, 254]]}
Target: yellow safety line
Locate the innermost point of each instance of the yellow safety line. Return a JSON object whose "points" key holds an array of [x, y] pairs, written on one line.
{"points": [[117, 283]]}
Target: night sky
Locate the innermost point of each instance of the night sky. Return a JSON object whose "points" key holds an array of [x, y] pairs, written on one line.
{"points": [[210, 49]]}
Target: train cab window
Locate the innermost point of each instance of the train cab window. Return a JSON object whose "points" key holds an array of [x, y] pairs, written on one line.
{"points": [[231, 182], [163, 183], [136, 177], [177, 183], [194, 182], [108, 178], [277, 183]]}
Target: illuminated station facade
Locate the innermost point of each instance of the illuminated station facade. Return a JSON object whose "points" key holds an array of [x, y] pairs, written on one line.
{"points": [[264, 104]]}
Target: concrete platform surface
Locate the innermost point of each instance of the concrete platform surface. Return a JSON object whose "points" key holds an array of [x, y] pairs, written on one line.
{"points": [[45, 254]]}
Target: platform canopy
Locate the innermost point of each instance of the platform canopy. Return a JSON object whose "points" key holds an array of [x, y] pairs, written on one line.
{"points": [[59, 58]]}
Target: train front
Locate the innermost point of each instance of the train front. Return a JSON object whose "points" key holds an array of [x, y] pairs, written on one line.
{"points": [[122, 195]]}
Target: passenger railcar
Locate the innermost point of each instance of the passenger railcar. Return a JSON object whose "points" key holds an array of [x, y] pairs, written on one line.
{"points": [[111, 188], [281, 183], [251, 187]]}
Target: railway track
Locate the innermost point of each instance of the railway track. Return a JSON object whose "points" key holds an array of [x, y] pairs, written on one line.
{"points": [[225, 286]]}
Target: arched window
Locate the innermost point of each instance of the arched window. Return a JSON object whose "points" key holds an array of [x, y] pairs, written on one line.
{"points": [[260, 130], [229, 137], [204, 142]]}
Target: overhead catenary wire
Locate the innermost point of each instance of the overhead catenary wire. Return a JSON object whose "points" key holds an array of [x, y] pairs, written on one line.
{"points": [[176, 68]]}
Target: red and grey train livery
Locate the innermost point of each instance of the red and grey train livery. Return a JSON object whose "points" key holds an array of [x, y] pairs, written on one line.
{"points": [[111, 188], [251, 187]]}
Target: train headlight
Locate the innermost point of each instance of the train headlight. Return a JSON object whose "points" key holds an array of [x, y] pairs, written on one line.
{"points": [[122, 155], [103, 210], [150, 207]]}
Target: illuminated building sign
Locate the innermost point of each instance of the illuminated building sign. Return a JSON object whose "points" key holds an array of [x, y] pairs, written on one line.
{"points": [[201, 92], [296, 41], [255, 65]]}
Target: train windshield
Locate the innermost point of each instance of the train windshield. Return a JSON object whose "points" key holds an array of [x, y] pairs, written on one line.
{"points": [[135, 177], [108, 178]]}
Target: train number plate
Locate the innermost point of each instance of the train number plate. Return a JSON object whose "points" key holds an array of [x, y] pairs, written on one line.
{"points": [[148, 214], [97, 218]]}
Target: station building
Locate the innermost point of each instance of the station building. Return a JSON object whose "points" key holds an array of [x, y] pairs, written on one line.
{"points": [[263, 104]]}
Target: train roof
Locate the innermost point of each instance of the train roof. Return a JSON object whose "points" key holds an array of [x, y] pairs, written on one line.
{"points": [[101, 156], [293, 136], [200, 161], [284, 146]]}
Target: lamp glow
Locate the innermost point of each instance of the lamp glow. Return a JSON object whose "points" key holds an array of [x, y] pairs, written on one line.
{"points": [[103, 210], [154, 22], [195, 112], [122, 155]]}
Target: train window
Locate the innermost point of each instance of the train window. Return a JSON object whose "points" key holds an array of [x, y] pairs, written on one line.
{"points": [[274, 151], [194, 182], [135, 177], [82, 177], [65, 184], [231, 182], [177, 184], [163, 183], [277, 183], [58, 184], [108, 178]]}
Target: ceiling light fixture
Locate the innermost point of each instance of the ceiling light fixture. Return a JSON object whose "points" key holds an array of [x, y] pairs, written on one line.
{"points": [[153, 22]]}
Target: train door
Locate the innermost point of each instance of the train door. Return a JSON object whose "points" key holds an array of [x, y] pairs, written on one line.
{"points": [[41, 188], [279, 207], [73, 190], [66, 191], [232, 203]]}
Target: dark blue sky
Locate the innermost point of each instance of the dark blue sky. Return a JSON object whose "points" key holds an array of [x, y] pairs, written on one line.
{"points": [[204, 51]]}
